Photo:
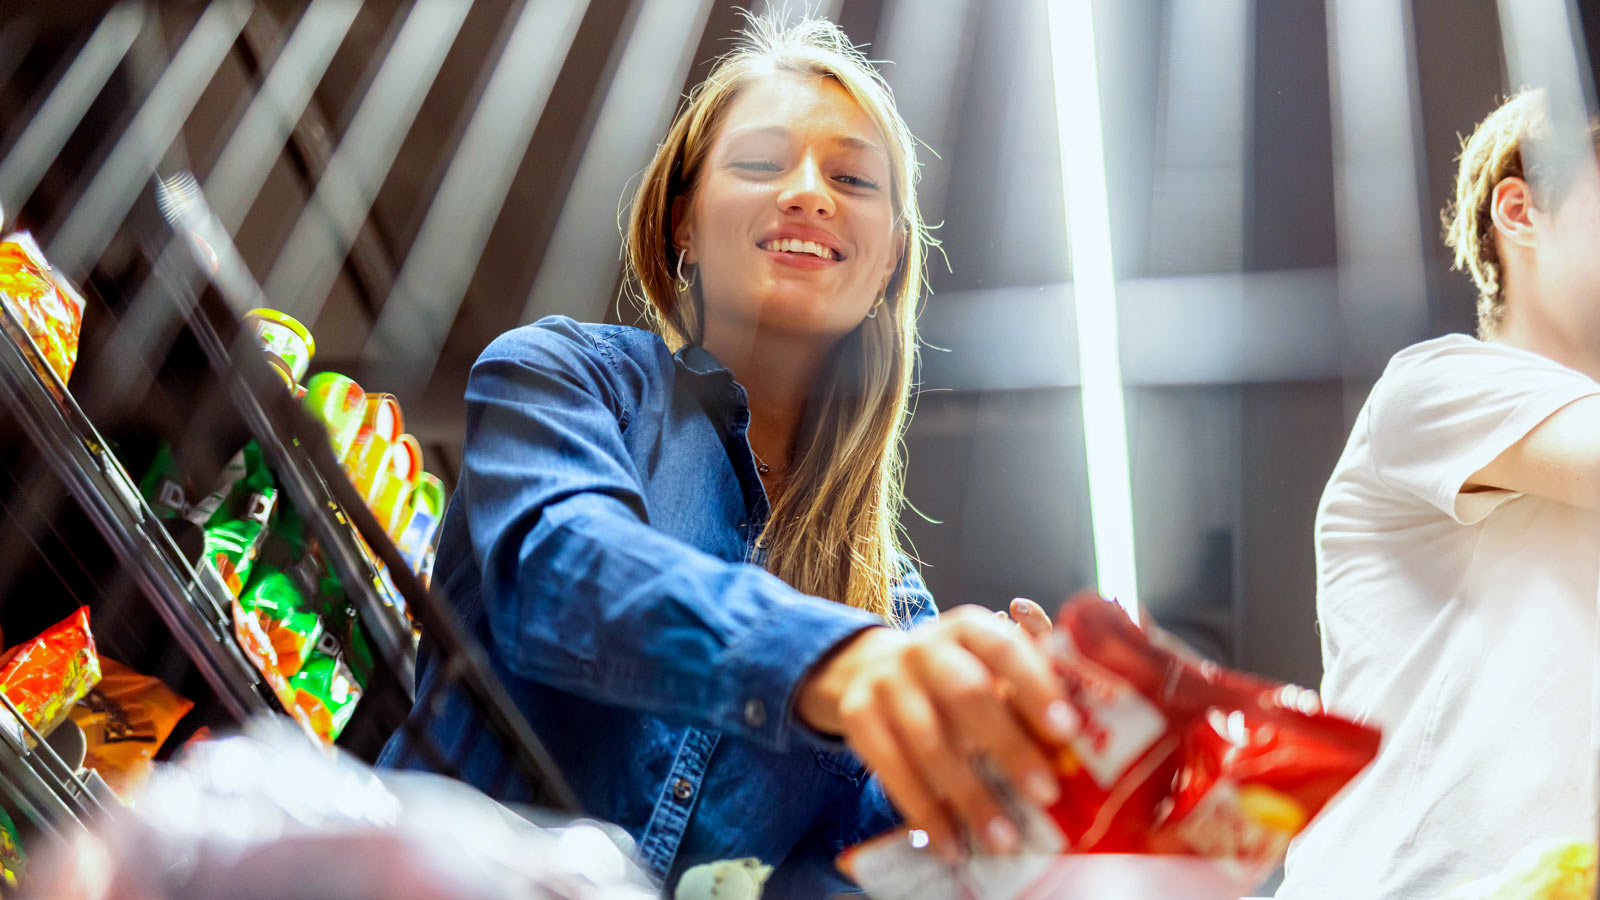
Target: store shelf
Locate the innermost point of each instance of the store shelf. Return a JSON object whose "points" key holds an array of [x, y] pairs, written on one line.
{"points": [[298, 452], [192, 601], [39, 784], [288, 438]]}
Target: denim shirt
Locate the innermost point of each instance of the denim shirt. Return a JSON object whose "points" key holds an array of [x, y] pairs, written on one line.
{"points": [[602, 545]]}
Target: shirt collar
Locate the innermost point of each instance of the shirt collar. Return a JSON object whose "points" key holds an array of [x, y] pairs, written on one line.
{"points": [[697, 360]]}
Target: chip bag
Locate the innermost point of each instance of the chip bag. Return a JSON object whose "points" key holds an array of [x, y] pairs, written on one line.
{"points": [[290, 621], [13, 861], [257, 647], [1205, 772], [327, 692], [1179, 756], [48, 307], [234, 531], [125, 720], [44, 677]]}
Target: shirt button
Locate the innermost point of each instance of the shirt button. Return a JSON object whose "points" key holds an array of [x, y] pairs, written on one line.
{"points": [[755, 713], [682, 789], [761, 543]]}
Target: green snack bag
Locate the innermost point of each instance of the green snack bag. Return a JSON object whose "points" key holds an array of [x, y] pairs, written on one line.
{"points": [[326, 692], [237, 525], [163, 486], [291, 623], [12, 860]]}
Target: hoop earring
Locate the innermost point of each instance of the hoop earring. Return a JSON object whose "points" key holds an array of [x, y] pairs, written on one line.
{"points": [[683, 283], [873, 312]]}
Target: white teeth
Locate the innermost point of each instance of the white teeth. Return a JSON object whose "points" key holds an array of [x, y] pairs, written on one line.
{"points": [[795, 245]]}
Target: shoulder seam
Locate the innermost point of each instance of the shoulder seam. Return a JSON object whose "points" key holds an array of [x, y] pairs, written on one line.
{"points": [[602, 345]]}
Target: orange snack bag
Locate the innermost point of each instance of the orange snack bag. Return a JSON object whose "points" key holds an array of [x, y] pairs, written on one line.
{"points": [[44, 677], [125, 720], [47, 305]]}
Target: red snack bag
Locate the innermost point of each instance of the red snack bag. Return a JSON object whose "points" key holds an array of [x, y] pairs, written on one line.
{"points": [[1180, 756], [1186, 780], [44, 677]]}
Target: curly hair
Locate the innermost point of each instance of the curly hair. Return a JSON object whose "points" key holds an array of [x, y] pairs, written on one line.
{"points": [[1513, 142]]}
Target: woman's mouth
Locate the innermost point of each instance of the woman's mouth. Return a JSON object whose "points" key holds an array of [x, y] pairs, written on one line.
{"points": [[800, 254], [797, 246]]}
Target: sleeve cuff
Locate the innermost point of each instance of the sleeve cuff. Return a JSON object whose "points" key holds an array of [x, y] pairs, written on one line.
{"points": [[1474, 507], [767, 665]]}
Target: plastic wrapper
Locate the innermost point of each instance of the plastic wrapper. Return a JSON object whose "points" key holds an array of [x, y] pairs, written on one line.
{"points": [[235, 530], [13, 861], [44, 677], [1186, 778], [269, 815], [257, 646], [288, 618], [233, 515], [326, 692], [125, 720], [48, 307]]}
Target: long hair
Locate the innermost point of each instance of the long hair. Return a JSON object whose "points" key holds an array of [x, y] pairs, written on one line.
{"points": [[834, 530]]}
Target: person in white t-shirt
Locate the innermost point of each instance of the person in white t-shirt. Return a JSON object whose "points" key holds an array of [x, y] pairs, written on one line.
{"points": [[1458, 547]]}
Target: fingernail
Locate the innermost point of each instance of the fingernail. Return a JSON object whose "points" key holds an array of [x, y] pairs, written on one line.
{"points": [[1002, 835], [1062, 720], [1043, 788]]}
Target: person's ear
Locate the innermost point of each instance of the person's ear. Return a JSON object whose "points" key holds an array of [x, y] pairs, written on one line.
{"points": [[1511, 208], [895, 257], [683, 228]]}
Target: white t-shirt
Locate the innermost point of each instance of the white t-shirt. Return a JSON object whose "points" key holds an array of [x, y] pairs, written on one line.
{"points": [[1463, 625]]}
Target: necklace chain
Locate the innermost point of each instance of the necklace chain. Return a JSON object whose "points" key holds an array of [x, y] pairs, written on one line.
{"points": [[761, 465]]}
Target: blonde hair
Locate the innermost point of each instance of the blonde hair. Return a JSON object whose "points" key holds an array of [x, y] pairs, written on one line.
{"points": [[834, 530], [1513, 142]]}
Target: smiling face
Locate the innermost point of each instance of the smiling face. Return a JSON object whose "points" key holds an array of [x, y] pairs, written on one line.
{"points": [[791, 222]]}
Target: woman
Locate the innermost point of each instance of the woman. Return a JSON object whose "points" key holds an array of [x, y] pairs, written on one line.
{"points": [[679, 544]]}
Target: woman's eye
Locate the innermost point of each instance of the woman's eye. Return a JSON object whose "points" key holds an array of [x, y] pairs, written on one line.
{"points": [[758, 165], [860, 181]]}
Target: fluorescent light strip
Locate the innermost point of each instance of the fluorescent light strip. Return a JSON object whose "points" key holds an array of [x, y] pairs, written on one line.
{"points": [[1083, 175]]}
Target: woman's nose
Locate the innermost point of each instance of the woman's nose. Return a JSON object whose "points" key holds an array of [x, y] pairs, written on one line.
{"points": [[806, 191]]}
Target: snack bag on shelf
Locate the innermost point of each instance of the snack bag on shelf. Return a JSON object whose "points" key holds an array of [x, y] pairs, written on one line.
{"points": [[47, 305], [44, 677], [326, 691], [13, 862], [290, 621], [235, 530], [125, 720], [257, 647], [1177, 760]]}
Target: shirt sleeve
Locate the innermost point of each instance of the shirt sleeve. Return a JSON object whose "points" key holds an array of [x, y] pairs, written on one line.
{"points": [[1445, 409], [581, 593], [912, 601]]}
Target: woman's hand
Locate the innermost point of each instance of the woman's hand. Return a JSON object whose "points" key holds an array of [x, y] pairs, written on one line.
{"points": [[921, 707], [1031, 616]]}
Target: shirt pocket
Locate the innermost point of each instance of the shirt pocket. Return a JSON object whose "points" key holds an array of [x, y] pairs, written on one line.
{"points": [[842, 764]]}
